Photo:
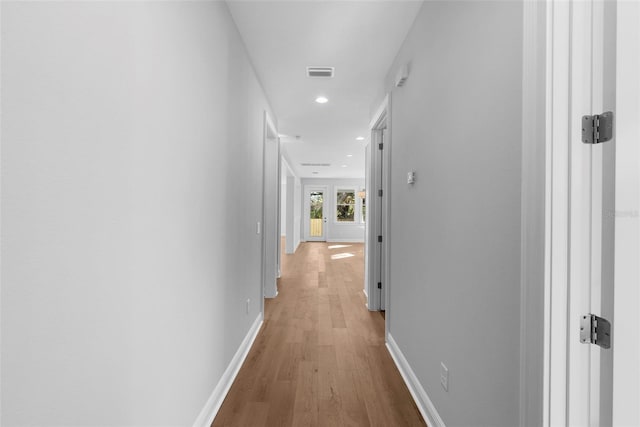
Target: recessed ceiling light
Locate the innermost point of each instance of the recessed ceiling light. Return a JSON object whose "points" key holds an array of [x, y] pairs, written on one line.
{"points": [[360, 138], [344, 166], [349, 155], [322, 100], [315, 173]]}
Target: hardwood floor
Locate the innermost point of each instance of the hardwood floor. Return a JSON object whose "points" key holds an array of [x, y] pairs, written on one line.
{"points": [[320, 358]]}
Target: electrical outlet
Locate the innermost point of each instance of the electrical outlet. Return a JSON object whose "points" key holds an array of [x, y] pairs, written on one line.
{"points": [[248, 304], [444, 377]]}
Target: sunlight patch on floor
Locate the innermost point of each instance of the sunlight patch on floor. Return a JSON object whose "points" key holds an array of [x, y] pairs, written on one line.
{"points": [[339, 246], [342, 255]]}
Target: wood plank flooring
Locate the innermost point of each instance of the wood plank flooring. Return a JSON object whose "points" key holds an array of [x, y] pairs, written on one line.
{"points": [[320, 358]]}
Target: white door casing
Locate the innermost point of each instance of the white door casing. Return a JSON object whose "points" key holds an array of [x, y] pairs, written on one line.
{"points": [[569, 60], [378, 212], [270, 209], [581, 48]]}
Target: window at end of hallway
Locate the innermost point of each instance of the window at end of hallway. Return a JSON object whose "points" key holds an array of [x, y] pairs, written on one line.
{"points": [[345, 205]]}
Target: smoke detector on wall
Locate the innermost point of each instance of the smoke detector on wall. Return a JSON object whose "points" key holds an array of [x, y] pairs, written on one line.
{"points": [[326, 72]]}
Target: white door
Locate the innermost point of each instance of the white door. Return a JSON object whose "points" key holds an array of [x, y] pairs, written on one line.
{"points": [[589, 364], [315, 214], [626, 325], [614, 373], [587, 256], [380, 261], [377, 212]]}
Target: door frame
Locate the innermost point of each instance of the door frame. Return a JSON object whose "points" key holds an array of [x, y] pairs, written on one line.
{"points": [[376, 206], [566, 369], [566, 394], [270, 135], [307, 211]]}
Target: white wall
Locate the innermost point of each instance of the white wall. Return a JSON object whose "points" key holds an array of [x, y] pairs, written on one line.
{"points": [[368, 182], [284, 172], [335, 231], [455, 234], [128, 237], [283, 207], [291, 206], [297, 212], [294, 206]]}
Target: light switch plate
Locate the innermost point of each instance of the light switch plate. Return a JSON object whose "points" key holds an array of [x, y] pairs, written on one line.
{"points": [[411, 177]]}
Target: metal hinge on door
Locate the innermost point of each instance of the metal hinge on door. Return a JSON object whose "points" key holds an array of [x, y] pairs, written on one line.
{"points": [[597, 128], [595, 330]]}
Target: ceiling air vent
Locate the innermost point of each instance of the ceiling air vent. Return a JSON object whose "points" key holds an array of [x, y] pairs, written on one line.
{"points": [[315, 164], [320, 72]]}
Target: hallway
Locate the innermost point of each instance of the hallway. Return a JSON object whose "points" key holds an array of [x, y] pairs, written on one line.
{"points": [[320, 358], [152, 153]]}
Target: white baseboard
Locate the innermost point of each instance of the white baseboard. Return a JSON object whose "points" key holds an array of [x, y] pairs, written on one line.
{"points": [[297, 245], [345, 240], [214, 402], [426, 407]]}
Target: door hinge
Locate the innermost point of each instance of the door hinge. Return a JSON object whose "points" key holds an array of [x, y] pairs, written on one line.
{"points": [[597, 128], [379, 285], [380, 146], [379, 238], [379, 193], [595, 330]]}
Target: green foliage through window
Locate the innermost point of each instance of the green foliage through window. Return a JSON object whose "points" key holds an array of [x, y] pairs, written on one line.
{"points": [[317, 199], [364, 210], [345, 205]]}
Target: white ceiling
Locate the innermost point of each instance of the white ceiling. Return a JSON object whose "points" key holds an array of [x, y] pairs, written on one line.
{"points": [[359, 38]]}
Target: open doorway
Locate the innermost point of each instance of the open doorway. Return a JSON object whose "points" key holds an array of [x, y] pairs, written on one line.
{"points": [[270, 210], [377, 196]]}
